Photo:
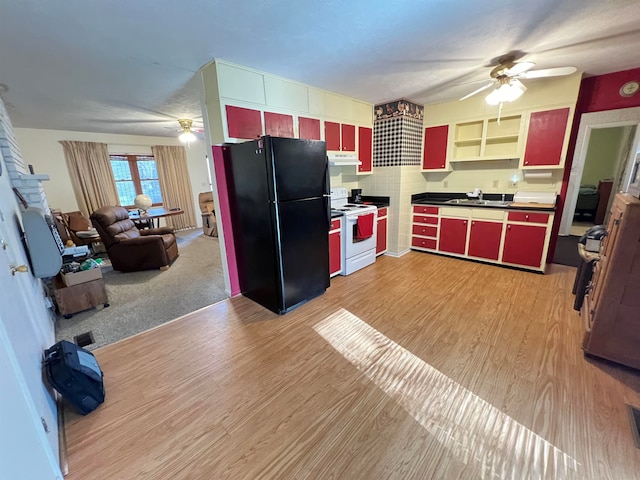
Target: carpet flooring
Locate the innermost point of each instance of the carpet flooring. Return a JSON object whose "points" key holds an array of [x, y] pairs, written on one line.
{"points": [[567, 251], [143, 300]]}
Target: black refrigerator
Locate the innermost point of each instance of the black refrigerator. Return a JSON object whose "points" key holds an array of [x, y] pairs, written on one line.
{"points": [[280, 211]]}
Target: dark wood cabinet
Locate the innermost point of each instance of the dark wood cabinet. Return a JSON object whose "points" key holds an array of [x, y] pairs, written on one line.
{"points": [[545, 139], [484, 239], [435, 148], [524, 244], [611, 309], [453, 235], [365, 149], [244, 123]]}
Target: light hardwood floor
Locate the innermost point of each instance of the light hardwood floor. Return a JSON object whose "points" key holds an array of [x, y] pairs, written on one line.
{"points": [[422, 367]]}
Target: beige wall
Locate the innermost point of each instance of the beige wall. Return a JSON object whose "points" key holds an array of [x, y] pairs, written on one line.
{"points": [[41, 148]]}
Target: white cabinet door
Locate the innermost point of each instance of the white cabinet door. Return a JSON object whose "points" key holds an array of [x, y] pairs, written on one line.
{"points": [[240, 84], [283, 94]]}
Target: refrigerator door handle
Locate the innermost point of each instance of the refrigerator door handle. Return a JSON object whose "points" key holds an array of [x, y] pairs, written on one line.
{"points": [[327, 199], [325, 187]]}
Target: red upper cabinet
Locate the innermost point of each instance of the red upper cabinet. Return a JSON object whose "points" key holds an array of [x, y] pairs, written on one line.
{"points": [[309, 128], [278, 125], [453, 235], [332, 135], [435, 148], [365, 149], [546, 138], [484, 240], [348, 137], [243, 122], [524, 244]]}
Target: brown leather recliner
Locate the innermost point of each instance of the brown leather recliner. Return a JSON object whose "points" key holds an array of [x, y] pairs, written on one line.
{"points": [[209, 227], [130, 249]]}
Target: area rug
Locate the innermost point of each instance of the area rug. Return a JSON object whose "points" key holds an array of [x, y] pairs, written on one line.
{"points": [[142, 300], [567, 251]]}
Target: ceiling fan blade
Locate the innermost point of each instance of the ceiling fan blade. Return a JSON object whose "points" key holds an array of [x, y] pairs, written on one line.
{"points": [[484, 87], [519, 68], [548, 72]]}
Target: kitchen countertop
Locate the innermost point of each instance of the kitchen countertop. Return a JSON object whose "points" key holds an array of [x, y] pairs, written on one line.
{"points": [[380, 202], [440, 199]]}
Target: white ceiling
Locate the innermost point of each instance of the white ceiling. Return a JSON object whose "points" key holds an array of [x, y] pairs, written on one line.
{"points": [[130, 67]]}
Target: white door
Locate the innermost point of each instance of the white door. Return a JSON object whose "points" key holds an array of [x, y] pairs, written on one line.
{"points": [[26, 449]]}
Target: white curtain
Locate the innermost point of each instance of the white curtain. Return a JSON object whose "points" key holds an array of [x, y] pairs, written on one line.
{"points": [[175, 184], [91, 175]]}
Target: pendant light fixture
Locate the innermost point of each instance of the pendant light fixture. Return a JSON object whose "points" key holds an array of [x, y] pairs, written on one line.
{"points": [[186, 136]]}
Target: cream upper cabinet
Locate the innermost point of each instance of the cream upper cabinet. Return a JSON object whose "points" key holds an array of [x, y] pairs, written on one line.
{"points": [[487, 139], [240, 84], [316, 101], [284, 94], [337, 106], [362, 113]]}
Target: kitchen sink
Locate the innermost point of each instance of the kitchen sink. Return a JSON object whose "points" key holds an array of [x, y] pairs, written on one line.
{"points": [[467, 201]]}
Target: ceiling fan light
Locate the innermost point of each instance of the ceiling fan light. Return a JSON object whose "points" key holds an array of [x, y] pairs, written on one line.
{"points": [[507, 92], [494, 98], [187, 136]]}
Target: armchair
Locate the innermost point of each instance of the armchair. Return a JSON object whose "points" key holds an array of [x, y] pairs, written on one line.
{"points": [[130, 249], [209, 227]]}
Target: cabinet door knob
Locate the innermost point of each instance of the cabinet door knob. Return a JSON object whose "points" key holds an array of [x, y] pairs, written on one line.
{"points": [[508, 227], [526, 163], [526, 217]]}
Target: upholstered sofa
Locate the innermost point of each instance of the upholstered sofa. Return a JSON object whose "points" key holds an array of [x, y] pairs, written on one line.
{"points": [[130, 249]]}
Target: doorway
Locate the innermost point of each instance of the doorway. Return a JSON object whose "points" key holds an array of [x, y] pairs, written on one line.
{"points": [[607, 151], [613, 129]]}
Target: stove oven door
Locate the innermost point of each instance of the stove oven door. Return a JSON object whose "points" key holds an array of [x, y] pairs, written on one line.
{"points": [[354, 246]]}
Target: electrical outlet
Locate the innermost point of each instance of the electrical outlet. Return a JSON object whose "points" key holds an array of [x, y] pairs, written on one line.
{"points": [[495, 184], [445, 184]]}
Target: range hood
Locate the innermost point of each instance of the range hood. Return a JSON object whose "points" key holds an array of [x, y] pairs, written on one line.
{"points": [[343, 158]]}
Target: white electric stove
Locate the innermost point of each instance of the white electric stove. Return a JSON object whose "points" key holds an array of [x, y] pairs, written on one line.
{"points": [[355, 253]]}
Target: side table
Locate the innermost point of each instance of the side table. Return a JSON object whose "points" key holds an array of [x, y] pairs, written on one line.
{"points": [[77, 298]]}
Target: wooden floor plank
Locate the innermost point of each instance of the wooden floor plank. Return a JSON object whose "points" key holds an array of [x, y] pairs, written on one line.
{"points": [[415, 367]]}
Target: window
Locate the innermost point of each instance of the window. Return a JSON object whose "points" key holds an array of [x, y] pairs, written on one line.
{"points": [[136, 174]]}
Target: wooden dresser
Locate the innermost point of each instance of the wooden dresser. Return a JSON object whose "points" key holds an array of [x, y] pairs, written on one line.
{"points": [[611, 310]]}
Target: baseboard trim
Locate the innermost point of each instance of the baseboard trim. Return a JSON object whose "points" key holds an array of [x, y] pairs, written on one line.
{"points": [[398, 255]]}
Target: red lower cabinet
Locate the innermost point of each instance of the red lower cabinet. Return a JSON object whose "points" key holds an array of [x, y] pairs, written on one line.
{"points": [[335, 243], [484, 240], [381, 238], [453, 235], [524, 244]]}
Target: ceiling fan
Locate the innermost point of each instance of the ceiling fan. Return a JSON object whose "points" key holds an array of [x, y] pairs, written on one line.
{"points": [[506, 79]]}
